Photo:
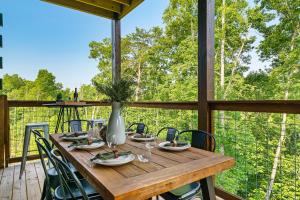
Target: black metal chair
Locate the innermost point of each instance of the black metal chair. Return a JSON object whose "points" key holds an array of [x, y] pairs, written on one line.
{"points": [[51, 181], [140, 128], [171, 133], [201, 140], [70, 186], [49, 147], [76, 125]]}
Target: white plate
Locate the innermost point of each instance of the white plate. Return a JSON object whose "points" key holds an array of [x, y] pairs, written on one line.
{"points": [[115, 162], [170, 148], [95, 145], [142, 139], [130, 133], [75, 138]]}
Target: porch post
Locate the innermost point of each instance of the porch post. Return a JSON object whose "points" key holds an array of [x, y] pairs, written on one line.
{"points": [[4, 146], [206, 14], [116, 50]]}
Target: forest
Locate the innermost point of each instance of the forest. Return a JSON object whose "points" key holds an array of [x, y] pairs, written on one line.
{"points": [[162, 61]]}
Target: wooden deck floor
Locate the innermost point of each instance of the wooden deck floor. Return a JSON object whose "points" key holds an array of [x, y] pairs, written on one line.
{"points": [[27, 188]]}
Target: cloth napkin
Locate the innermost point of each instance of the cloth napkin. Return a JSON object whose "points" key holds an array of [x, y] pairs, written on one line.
{"points": [[76, 134], [110, 155], [178, 144], [85, 141]]}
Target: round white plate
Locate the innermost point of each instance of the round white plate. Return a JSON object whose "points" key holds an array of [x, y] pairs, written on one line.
{"points": [[129, 133], [75, 138], [170, 148], [95, 145], [115, 162], [142, 139]]}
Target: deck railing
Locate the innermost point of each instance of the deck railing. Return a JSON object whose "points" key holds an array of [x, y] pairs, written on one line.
{"points": [[253, 132]]}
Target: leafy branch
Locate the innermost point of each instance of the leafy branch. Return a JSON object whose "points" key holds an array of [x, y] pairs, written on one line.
{"points": [[120, 91]]}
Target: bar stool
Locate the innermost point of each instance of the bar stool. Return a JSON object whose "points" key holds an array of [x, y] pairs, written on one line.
{"points": [[32, 126], [94, 122]]}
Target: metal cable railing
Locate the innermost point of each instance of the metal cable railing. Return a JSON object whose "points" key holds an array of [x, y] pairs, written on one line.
{"points": [[265, 148], [251, 138]]}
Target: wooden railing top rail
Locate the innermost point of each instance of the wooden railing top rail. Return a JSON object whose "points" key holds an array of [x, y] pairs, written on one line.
{"points": [[268, 106]]}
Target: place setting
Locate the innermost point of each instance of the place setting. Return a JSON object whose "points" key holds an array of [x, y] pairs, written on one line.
{"points": [[79, 135], [174, 145], [87, 144], [142, 137], [114, 157]]}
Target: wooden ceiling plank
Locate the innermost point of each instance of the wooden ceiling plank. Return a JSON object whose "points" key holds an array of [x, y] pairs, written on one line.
{"points": [[107, 5], [123, 2], [84, 8], [128, 9]]}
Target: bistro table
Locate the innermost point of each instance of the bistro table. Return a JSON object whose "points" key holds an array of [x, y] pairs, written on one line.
{"points": [[68, 109], [137, 180]]}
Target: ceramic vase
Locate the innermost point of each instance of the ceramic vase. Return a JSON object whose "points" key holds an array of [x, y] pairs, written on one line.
{"points": [[116, 125]]}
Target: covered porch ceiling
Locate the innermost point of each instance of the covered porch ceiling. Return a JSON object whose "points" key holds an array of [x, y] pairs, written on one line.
{"points": [[111, 9]]}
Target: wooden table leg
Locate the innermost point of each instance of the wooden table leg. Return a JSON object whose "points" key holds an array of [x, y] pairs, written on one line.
{"points": [[77, 113], [208, 189]]}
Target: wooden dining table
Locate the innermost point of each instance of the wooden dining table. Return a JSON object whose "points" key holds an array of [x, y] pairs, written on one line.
{"points": [[137, 180]]}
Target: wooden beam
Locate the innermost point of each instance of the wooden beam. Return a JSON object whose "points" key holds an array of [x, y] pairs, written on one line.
{"points": [[6, 132], [19, 159], [76, 5], [106, 5], [128, 9], [205, 62], [225, 195], [116, 50], [3, 129], [123, 2], [267, 106]]}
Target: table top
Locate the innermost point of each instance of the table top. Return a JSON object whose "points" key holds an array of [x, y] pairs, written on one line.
{"points": [[136, 180], [68, 104]]}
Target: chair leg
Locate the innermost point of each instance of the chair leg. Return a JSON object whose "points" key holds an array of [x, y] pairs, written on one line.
{"points": [[208, 190], [25, 150], [44, 192]]}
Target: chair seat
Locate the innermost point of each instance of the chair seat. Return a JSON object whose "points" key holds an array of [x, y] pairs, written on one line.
{"points": [[90, 191], [53, 177], [183, 193], [38, 124]]}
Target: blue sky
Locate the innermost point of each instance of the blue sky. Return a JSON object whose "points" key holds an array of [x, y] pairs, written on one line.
{"points": [[39, 35]]}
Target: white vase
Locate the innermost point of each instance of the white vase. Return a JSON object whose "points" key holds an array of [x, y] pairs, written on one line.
{"points": [[116, 125]]}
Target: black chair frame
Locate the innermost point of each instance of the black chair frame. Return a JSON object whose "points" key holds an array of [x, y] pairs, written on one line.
{"points": [[139, 128], [170, 135]]}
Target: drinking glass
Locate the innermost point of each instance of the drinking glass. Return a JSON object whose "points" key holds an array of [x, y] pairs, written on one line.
{"points": [[145, 155], [112, 142]]}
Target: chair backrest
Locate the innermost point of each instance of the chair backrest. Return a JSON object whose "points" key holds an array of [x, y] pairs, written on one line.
{"points": [[75, 125], [43, 149], [171, 133], [66, 175], [36, 133], [200, 139], [140, 127], [45, 142]]}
